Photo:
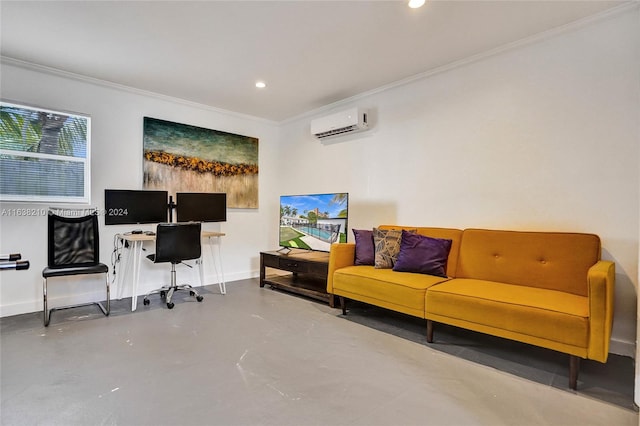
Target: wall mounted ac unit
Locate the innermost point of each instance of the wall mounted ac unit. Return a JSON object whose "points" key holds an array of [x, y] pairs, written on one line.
{"points": [[340, 123]]}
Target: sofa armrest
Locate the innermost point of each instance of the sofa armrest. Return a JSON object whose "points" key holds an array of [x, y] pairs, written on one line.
{"points": [[340, 255], [601, 282]]}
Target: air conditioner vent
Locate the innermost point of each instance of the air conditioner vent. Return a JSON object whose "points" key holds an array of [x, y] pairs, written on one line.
{"points": [[339, 131], [345, 122]]}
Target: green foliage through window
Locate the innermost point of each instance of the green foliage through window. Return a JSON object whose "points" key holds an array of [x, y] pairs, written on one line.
{"points": [[44, 155]]}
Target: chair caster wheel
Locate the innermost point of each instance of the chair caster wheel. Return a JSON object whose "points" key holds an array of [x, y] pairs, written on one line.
{"points": [[199, 298], [145, 301], [191, 293], [163, 294], [170, 305]]}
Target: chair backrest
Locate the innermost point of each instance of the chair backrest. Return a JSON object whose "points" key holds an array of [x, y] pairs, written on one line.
{"points": [[176, 242], [73, 241]]}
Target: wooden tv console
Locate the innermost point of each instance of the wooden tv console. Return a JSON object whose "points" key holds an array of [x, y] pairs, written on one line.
{"points": [[301, 272]]}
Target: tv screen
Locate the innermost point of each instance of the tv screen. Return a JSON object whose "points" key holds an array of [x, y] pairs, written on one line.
{"points": [[129, 207], [201, 207], [313, 221]]}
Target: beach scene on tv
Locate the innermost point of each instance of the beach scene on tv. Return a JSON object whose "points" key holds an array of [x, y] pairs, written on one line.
{"points": [[313, 222]]}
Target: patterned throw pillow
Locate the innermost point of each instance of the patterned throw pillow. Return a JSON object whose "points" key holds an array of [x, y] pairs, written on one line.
{"points": [[365, 253], [387, 247]]}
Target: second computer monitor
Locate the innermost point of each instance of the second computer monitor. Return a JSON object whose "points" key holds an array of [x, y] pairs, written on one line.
{"points": [[201, 207]]}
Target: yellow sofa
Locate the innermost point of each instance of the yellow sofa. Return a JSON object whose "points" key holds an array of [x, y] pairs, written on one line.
{"points": [[548, 289]]}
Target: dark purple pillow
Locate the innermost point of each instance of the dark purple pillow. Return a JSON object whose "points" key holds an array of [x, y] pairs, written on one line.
{"points": [[365, 253], [423, 255]]}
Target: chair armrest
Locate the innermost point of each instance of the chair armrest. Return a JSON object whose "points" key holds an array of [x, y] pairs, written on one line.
{"points": [[340, 255], [601, 283]]}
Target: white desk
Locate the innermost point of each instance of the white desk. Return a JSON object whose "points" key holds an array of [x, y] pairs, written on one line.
{"points": [[136, 241]]}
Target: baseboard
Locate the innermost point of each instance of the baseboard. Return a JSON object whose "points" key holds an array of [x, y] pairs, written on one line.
{"points": [[212, 279], [620, 347], [36, 305], [19, 308], [65, 300], [617, 347]]}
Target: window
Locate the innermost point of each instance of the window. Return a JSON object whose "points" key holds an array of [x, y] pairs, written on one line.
{"points": [[44, 155]]}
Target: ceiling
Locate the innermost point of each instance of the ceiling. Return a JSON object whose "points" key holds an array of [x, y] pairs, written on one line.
{"points": [[309, 53]]}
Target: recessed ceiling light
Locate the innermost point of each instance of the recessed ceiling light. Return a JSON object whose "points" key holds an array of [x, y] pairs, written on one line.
{"points": [[261, 84], [414, 4]]}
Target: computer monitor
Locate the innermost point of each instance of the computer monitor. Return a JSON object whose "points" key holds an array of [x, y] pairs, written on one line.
{"points": [[201, 207], [130, 207]]}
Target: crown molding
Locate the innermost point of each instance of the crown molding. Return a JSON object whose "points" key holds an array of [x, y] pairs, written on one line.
{"points": [[527, 41], [121, 87], [536, 38]]}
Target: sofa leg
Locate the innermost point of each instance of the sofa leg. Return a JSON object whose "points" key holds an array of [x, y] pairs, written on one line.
{"points": [[343, 305], [574, 368], [429, 331]]}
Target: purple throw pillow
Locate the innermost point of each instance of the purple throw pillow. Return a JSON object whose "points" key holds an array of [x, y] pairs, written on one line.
{"points": [[423, 255], [365, 253]]}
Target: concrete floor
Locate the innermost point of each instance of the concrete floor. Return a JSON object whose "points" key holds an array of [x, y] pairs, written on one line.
{"points": [[261, 357]]}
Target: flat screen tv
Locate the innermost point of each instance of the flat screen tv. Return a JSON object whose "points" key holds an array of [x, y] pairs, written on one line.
{"points": [[313, 221], [201, 207], [130, 207]]}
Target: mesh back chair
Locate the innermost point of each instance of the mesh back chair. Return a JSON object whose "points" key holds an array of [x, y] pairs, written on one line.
{"points": [[73, 249], [176, 242]]}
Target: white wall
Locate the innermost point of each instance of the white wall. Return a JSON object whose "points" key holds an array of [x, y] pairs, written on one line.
{"points": [[117, 117], [540, 137]]}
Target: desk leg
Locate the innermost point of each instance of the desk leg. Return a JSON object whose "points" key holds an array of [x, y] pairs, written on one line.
{"points": [[218, 263], [223, 285], [201, 269], [123, 274], [137, 259]]}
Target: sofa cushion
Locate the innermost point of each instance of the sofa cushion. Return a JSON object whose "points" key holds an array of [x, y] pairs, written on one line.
{"points": [[552, 260], [423, 255], [530, 311], [402, 291], [365, 251], [387, 247]]}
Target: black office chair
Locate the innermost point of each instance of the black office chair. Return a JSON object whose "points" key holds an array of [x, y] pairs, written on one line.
{"points": [[73, 249], [176, 242]]}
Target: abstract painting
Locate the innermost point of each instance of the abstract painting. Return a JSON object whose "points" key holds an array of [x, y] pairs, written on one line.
{"points": [[184, 158]]}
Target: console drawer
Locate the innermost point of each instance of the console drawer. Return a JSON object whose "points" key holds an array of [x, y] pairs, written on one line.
{"points": [[318, 268], [270, 261], [292, 265]]}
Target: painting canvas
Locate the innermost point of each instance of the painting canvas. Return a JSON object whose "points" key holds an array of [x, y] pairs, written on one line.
{"points": [[184, 158]]}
